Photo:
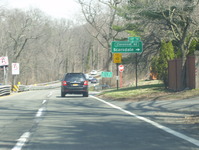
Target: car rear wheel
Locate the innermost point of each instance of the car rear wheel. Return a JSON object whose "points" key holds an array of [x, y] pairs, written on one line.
{"points": [[85, 94], [62, 94]]}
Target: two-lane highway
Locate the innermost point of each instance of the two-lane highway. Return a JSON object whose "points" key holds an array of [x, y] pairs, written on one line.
{"points": [[43, 120]]}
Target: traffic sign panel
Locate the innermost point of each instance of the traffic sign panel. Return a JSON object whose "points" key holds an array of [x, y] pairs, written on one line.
{"points": [[4, 61], [121, 68], [133, 39], [117, 58], [106, 74], [126, 47], [15, 68]]}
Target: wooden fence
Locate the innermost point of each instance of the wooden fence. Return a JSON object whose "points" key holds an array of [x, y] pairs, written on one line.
{"points": [[175, 74]]}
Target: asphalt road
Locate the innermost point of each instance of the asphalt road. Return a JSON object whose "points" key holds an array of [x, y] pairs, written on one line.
{"points": [[43, 120]]}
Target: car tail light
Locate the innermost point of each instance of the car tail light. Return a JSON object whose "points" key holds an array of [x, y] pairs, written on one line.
{"points": [[64, 83], [85, 82]]}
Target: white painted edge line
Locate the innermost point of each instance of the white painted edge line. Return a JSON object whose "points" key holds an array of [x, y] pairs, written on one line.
{"points": [[22, 141], [164, 128]]}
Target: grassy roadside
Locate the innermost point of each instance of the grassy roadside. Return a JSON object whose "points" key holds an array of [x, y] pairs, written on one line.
{"points": [[147, 90]]}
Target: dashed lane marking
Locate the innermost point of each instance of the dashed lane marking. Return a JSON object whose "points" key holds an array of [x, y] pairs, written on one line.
{"points": [[40, 112], [50, 94], [44, 101], [22, 141], [24, 138]]}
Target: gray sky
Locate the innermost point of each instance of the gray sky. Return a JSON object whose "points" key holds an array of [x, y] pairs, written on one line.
{"points": [[55, 8]]}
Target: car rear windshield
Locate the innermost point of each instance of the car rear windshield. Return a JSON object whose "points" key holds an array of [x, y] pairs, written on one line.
{"points": [[78, 77]]}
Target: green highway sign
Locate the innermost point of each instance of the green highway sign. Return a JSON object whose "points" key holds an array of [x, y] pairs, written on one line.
{"points": [[106, 74], [133, 39], [126, 47]]}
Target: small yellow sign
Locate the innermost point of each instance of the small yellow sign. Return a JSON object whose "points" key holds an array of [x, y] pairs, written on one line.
{"points": [[117, 58]]}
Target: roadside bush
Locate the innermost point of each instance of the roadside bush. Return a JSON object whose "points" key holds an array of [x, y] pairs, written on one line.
{"points": [[159, 63]]}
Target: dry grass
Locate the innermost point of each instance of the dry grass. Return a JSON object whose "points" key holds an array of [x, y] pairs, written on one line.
{"points": [[147, 90]]}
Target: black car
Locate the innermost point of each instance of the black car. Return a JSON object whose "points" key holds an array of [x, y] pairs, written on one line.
{"points": [[93, 80], [74, 83]]}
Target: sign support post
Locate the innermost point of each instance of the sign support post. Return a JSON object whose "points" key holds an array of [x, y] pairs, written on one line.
{"points": [[121, 69], [4, 64], [5, 78], [117, 66], [121, 82], [136, 69]]}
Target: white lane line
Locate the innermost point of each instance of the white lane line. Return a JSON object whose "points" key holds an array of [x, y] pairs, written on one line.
{"points": [[39, 112], [24, 138], [44, 101], [164, 128], [22, 141], [50, 94]]}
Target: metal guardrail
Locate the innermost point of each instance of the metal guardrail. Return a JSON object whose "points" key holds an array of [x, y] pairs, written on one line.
{"points": [[45, 86], [5, 90]]}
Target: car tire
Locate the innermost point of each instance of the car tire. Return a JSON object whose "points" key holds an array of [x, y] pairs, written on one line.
{"points": [[62, 94], [85, 94]]}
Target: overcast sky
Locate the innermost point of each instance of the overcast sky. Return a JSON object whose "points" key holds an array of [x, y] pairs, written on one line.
{"points": [[55, 8]]}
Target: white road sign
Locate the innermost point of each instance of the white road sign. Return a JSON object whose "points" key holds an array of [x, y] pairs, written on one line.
{"points": [[4, 61], [15, 68]]}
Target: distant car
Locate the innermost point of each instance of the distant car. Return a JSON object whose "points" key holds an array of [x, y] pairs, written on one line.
{"points": [[90, 78], [93, 72], [74, 83], [94, 80]]}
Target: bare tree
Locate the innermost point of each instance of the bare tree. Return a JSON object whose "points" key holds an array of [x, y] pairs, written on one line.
{"points": [[101, 16], [20, 31], [45, 48]]}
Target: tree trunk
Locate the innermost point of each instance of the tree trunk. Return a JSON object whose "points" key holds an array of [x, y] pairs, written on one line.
{"points": [[108, 62], [183, 71]]}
